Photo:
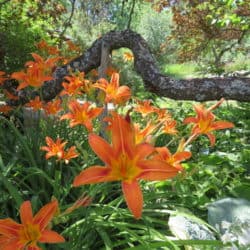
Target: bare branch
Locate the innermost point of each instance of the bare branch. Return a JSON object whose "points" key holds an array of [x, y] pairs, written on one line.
{"points": [[234, 88]]}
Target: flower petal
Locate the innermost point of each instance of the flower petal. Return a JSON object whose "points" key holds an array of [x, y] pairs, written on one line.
{"points": [[143, 150], [26, 214], [49, 236], [190, 120], [212, 138], [155, 170], [9, 227], [94, 174], [181, 156], [45, 214], [133, 196], [123, 136], [221, 125], [11, 244], [103, 150]]}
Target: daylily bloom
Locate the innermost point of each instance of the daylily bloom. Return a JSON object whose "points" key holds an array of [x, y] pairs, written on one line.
{"points": [[173, 159], [169, 127], [145, 134], [5, 109], [125, 161], [9, 95], [53, 107], [162, 114], [33, 229], [51, 50], [2, 77], [35, 104], [74, 85], [34, 77], [56, 148], [114, 93], [127, 56], [37, 73], [111, 70], [72, 46], [82, 114], [45, 66], [204, 122], [144, 107]]}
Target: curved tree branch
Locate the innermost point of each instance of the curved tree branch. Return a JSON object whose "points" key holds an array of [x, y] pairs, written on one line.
{"points": [[197, 89]]}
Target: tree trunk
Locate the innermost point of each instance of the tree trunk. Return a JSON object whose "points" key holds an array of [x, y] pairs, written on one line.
{"points": [[198, 89]]}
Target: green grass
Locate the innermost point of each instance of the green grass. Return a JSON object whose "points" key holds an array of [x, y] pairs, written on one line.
{"points": [[183, 70]]}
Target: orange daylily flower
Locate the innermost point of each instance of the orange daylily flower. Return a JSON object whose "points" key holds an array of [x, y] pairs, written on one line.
{"points": [[82, 114], [144, 107], [114, 93], [204, 122], [5, 109], [9, 95], [169, 127], [125, 161], [70, 154], [172, 159], [74, 85], [35, 104], [33, 229], [51, 50], [37, 73], [53, 107], [127, 56], [111, 70], [34, 77], [2, 77], [56, 148], [72, 46], [162, 114], [145, 134], [46, 66]]}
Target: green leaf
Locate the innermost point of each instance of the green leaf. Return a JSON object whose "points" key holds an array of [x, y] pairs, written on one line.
{"points": [[14, 193]]}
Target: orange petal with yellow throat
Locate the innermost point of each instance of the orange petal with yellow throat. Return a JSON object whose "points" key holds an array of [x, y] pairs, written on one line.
{"points": [[26, 214], [49, 236], [94, 174], [45, 214], [133, 197]]}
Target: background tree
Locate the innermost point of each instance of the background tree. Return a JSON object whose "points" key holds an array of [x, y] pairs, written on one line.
{"points": [[23, 24], [210, 32]]}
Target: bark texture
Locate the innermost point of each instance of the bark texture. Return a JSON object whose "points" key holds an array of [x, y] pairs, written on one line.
{"points": [[198, 89]]}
